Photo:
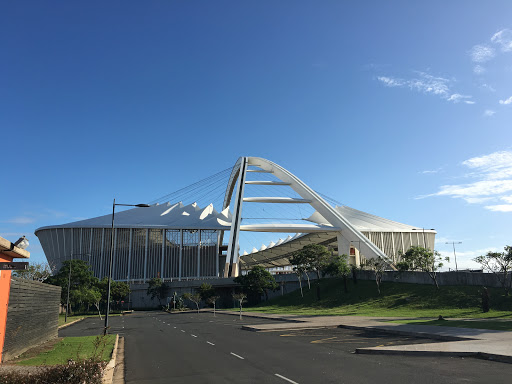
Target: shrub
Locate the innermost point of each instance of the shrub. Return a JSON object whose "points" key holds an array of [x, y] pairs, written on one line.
{"points": [[87, 371]]}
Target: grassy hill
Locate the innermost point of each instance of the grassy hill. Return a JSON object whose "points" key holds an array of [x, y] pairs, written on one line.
{"points": [[396, 299]]}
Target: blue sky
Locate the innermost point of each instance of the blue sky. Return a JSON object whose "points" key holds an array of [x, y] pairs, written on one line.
{"points": [[399, 109]]}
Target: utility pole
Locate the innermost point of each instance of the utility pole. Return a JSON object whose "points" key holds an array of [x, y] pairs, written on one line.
{"points": [[454, 255]]}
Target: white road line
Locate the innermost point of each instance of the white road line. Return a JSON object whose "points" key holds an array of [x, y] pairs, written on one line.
{"points": [[210, 343], [182, 330], [193, 335], [174, 327], [285, 378], [234, 354]]}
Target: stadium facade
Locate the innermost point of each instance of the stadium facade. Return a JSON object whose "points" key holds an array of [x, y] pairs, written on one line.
{"points": [[174, 241]]}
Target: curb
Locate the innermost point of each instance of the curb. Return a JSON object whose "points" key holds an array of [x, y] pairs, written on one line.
{"points": [[424, 335], [108, 373], [244, 314], [477, 355], [68, 324]]}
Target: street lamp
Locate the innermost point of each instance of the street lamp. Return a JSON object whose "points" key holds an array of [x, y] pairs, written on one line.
{"points": [[105, 331], [423, 229], [454, 255]]}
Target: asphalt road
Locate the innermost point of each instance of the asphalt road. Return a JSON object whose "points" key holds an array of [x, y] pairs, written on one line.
{"points": [[200, 348]]}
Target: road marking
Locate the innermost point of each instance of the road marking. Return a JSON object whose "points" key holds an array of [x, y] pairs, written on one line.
{"points": [[193, 335], [322, 340], [174, 327], [210, 343], [234, 354], [285, 378], [182, 330]]}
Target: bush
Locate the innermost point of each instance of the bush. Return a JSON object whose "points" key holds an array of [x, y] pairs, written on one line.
{"points": [[86, 371]]}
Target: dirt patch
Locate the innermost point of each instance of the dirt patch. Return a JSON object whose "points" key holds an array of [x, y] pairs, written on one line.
{"points": [[33, 352]]}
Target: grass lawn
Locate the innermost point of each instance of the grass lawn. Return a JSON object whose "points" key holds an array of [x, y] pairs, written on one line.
{"points": [[75, 348], [395, 300], [483, 324]]}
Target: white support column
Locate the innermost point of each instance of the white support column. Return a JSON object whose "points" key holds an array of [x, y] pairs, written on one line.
{"points": [[163, 254], [343, 245], [115, 254], [180, 262], [146, 255], [217, 254], [232, 255], [403, 245], [199, 253], [90, 247], [129, 255], [393, 247], [64, 242], [102, 251]]}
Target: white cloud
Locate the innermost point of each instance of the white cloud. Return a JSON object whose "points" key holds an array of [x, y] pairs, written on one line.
{"points": [[499, 208], [507, 199], [481, 53], [478, 69], [21, 220], [497, 165], [488, 87], [494, 182], [456, 97], [390, 82], [426, 83], [503, 38], [432, 171], [489, 112], [478, 200], [507, 101]]}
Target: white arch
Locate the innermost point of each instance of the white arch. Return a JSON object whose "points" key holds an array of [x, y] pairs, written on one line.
{"points": [[346, 232]]}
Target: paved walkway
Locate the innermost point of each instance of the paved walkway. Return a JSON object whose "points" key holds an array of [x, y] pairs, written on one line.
{"points": [[496, 345]]}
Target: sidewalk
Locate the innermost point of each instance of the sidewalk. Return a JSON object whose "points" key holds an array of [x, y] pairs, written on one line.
{"points": [[462, 342]]}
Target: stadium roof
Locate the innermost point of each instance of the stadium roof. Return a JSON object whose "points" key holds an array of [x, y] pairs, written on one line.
{"points": [[168, 216]]}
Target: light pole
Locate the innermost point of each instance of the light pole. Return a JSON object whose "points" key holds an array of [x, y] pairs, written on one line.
{"points": [[454, 255], [69, 282], [423, 229], [105, 331]]}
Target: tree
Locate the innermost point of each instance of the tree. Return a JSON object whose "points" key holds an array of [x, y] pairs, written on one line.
{"points": [[206, 291], [93, 296], [422, 259], [213, 300], [314, 258], [157, 288], [240, 297], [377, 265], [195, 298], [118, 289], [500, 264], [37, 272], [338, 267], [258, 280], [299, 271], [81, 278]]}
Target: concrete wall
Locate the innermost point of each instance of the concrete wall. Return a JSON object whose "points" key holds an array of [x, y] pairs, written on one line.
{"points": [[140, 300], [32, 316], [289, 283], [443, 278]]}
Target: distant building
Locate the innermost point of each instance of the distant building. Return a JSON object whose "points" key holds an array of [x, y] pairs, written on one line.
{"points": [[173, 241]]}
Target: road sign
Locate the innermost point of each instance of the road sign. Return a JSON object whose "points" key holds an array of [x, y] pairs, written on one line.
{"points": [[14, 266]]}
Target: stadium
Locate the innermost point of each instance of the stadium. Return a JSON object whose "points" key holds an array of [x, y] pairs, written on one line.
{"points": [[260, 203]]}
